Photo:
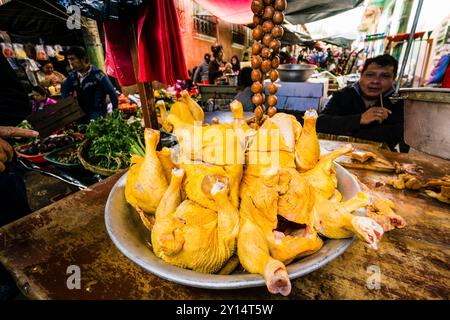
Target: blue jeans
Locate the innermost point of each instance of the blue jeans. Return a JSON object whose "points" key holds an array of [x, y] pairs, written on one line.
{"points": [[13, 194]]}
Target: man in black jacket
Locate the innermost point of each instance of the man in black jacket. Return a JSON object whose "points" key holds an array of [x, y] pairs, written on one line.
{"points": [[364, 110]]}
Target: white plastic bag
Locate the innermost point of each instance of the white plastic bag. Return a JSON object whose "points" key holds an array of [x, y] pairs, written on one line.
{"points": [[40, 53], [50, 51]]}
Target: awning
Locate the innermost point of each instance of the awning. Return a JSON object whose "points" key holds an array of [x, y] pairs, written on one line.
{"points": [[302, 11], [293, 37], [342, 42], [297, 12]]}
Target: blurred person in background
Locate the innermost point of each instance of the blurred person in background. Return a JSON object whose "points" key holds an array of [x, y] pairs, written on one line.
{"points": [[201, 74]]}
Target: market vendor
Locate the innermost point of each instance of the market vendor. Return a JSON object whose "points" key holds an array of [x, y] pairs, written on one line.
{"points": [[90, 85], [364, 110], [49, 78]]}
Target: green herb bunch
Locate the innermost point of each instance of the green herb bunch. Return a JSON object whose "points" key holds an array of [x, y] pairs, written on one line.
{"points": [[113, 140]]}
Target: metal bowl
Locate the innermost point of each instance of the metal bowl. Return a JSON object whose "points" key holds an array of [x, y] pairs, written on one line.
{"points": [[296, 72], [134, 241]]}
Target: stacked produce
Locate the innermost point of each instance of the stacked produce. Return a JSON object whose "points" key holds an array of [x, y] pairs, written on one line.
{"points": [[126, 106], [267, 33]]}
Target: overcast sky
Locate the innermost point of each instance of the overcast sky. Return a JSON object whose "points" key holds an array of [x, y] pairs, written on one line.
{"points": [[433, 12]]}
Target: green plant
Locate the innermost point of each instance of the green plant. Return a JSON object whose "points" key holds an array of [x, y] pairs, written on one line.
{"points": [[113, 140]]}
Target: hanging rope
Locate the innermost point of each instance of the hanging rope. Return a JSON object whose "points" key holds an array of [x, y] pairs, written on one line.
{"points": [[47, 12]]}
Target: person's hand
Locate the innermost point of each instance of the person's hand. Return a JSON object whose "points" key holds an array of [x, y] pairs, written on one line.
{"points": [[6, 150], [375, 114]]}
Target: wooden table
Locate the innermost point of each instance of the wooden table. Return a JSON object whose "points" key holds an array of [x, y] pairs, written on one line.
{"points": [[413, 262]]}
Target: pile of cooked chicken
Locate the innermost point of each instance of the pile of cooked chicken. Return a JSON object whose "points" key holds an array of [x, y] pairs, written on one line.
{"points": [[264, 194]]}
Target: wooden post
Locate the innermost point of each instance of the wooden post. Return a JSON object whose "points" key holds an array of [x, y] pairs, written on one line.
{"points": [[94, 47], [145, 89]]}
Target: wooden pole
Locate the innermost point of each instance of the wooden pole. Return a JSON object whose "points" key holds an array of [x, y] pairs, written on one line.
{"points": [[94, 47], [145, 89]]}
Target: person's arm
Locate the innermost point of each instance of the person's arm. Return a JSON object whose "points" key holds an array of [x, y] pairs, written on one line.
{"points": [[197, 73], [66, 88], [109, 89], [332, 120], [6, 150], [60, 76]]}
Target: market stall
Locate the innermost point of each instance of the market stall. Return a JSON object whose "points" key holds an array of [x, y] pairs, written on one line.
{"points": [[413, 262]]}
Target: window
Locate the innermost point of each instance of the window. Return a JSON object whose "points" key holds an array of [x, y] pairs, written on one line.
{"points": [[204, 22], [239, 34]]}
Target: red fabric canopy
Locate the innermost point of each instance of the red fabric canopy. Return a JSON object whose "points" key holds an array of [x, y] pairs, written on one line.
{"points": [[233, 11], [160, 49]]}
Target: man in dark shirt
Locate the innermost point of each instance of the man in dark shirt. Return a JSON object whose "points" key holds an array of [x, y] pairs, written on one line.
{"points": [[217, 66], [90, 84], [364, 110]]}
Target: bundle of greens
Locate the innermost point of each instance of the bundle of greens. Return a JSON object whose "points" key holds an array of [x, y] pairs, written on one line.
{"points": [[113, 140]]}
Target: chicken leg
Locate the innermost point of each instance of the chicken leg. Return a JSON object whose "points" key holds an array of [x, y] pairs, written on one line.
{"points": [[307, 148], [335, 221], [166, 236], [146, 182], [323, 176]]}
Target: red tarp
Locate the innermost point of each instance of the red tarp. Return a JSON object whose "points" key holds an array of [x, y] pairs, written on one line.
{"points": [[233, 11], [160, 49]]}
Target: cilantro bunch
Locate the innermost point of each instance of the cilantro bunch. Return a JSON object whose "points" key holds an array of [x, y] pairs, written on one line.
{"points": [[113, 140]]}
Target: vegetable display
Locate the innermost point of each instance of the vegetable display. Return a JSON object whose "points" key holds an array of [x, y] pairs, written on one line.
{"points": [[112, 140]]}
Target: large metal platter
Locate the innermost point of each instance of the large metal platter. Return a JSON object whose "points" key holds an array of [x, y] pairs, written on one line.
{"points": [[133, 240]]}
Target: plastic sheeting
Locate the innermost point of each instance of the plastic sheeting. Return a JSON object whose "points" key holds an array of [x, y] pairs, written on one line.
{"points": [[101, 10], [160, 51]]}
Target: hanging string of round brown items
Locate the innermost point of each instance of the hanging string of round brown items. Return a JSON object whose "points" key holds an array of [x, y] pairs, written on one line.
{"points": [[267, 33]]}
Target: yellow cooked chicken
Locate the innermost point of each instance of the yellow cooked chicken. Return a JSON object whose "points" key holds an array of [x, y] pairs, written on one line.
{"points": [[186, 111], [382, 211], [234, 186], [335, 220], [307, 149], [323, 176], [146, 182], [190, 236]]}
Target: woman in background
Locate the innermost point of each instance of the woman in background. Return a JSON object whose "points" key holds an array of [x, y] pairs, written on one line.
{"points": [[41, 100], [49, 77], [236, 64]]}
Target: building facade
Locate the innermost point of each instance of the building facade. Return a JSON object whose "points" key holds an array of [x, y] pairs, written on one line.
{"points": [[200, 30]]}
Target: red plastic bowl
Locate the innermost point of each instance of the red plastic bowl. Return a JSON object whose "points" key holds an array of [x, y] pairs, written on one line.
{"points": [[39, 158]]}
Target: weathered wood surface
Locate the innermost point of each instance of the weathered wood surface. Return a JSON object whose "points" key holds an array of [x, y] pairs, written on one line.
{"points": [[414, 262]]}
